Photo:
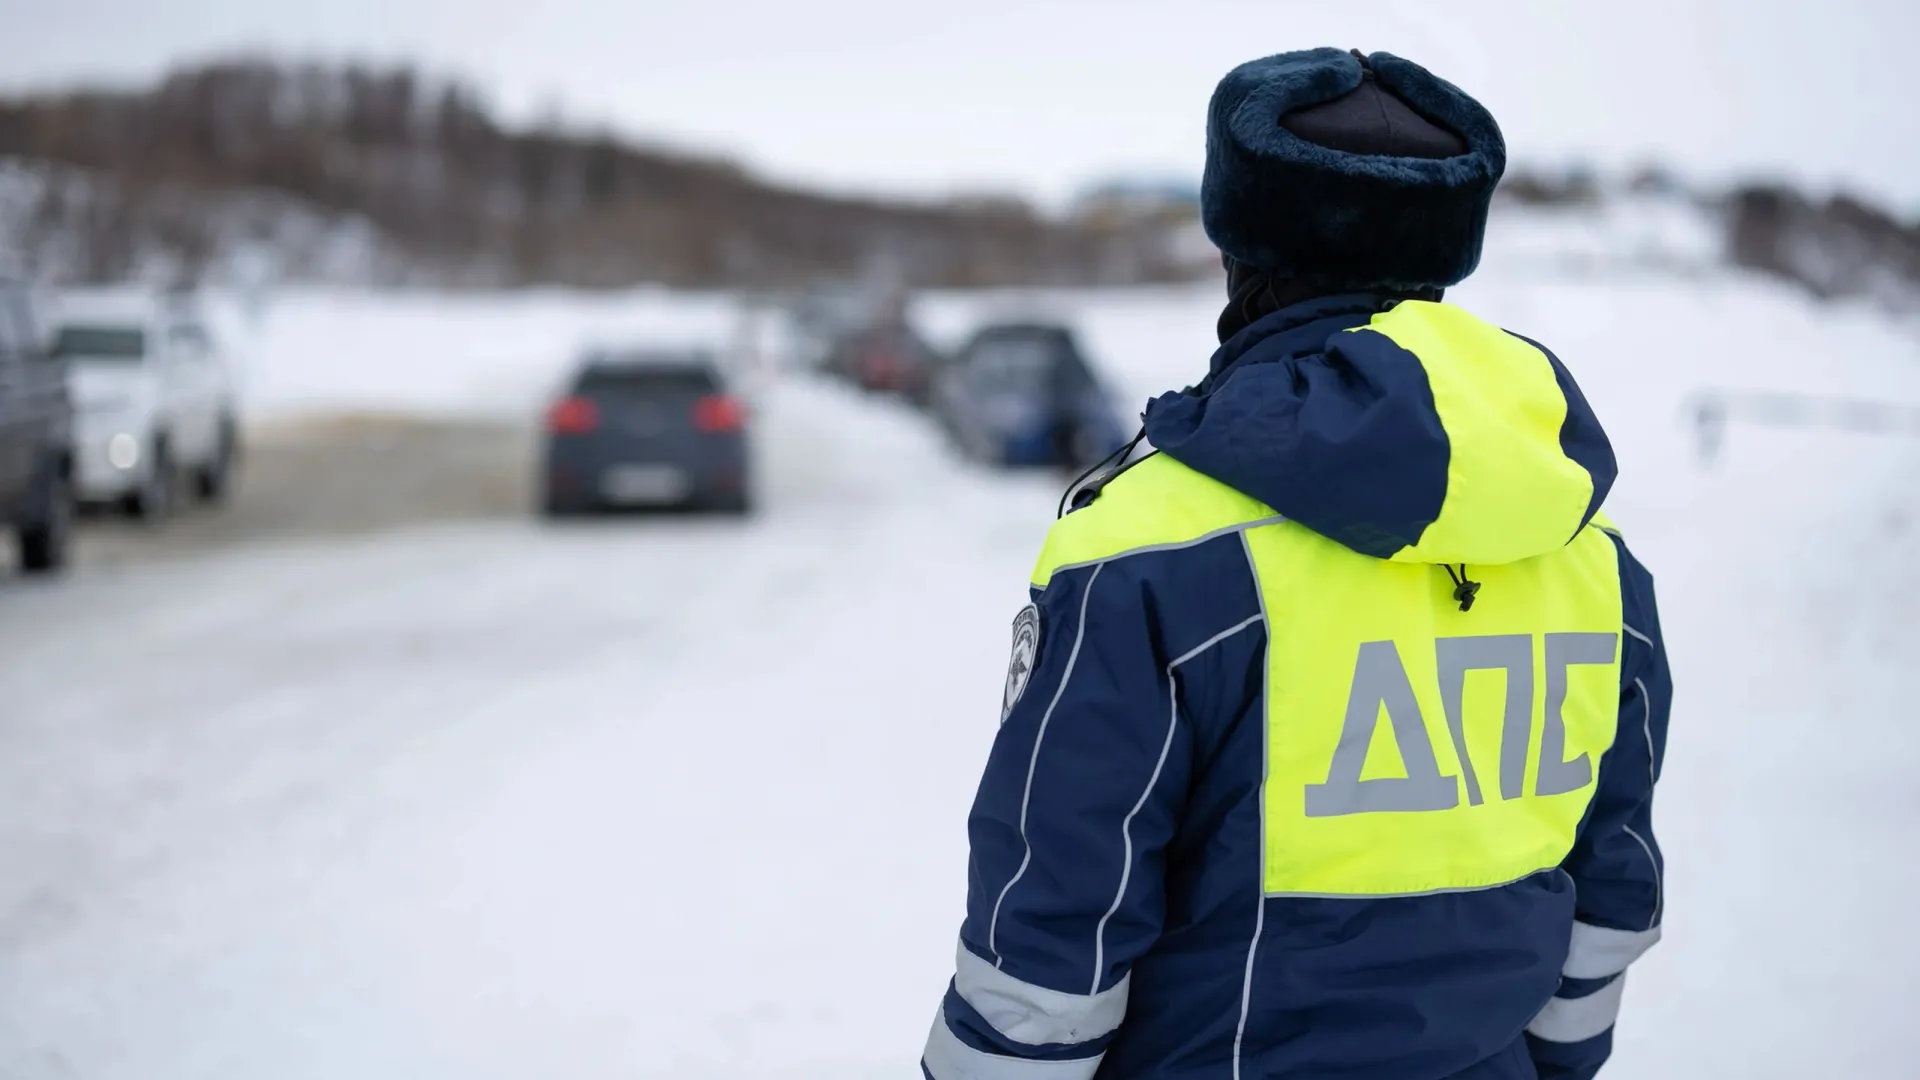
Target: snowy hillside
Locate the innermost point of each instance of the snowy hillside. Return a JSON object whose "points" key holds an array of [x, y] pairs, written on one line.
{"points": [[687, 800]]}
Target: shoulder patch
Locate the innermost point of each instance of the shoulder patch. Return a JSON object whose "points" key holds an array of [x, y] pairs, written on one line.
{"points": [[1026, 651]]}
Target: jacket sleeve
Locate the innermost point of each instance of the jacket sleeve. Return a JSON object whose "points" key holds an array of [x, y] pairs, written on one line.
{"points": [[1615, 864], [1068, 832]]}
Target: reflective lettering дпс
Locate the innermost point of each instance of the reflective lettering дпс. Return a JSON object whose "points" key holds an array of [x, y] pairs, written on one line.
{"points": [[1380, 681]]}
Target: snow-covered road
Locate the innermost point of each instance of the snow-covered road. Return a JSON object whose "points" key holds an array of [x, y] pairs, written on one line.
{"points": [[686, 799], [676, 798]]}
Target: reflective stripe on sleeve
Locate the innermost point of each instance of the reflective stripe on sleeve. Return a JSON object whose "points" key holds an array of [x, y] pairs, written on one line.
{"points": [[1571, 1020], [1033, 1014], [1598, 952], [947, 1058]]}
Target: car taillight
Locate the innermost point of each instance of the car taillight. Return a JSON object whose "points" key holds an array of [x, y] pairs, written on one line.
{"points": [[719, 414], [573, 416]]}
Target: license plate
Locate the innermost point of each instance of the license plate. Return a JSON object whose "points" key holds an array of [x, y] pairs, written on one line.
{"points": [[643, 484]]}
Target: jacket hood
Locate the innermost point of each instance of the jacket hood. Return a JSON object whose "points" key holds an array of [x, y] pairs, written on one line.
{"points": [[1403, 429]]}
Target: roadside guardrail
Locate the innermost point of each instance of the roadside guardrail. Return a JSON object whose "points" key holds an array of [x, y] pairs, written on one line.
{"points": [[1712, 410]]}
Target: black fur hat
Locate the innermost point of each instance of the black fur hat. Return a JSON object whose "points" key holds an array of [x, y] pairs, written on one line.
{"points": [[1340, 196]]}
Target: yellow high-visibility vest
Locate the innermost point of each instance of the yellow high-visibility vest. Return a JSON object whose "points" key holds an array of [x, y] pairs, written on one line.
{"points": [[1412, 747]]}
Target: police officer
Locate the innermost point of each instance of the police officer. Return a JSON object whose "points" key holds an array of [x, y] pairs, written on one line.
{"points": [[1330, 739]]}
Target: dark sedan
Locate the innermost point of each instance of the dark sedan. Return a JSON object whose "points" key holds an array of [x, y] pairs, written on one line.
{"points": [[36, 437], [1021, 394], [647, 430]]}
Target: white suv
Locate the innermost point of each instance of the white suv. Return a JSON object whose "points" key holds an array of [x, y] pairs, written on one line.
{"points": [[153, 400]]}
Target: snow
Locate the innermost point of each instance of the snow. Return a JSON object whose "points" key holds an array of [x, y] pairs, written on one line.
{"points": [[1627, 231], [471, 802], [449, 353], [48, 212], [687, 799]]}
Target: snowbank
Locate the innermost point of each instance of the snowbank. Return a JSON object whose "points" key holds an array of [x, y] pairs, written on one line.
{"points": [[447, 352]]}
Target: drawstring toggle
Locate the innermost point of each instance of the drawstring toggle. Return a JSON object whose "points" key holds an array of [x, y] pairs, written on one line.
{"points": [[1464, 590]]}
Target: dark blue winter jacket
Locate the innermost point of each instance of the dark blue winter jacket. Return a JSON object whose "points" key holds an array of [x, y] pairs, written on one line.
{"points": [[1331, 734]]}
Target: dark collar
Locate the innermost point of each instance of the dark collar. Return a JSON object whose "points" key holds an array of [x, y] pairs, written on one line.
{"points": [[1300, 323]]}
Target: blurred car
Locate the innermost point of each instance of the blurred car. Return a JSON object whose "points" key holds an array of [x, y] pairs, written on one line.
{"points": [[155, 399], [1023, 394], [886, 357], [819, 319], [36, 437], [646, 429]]}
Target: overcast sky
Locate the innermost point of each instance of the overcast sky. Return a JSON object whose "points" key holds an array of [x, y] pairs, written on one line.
{"points": [[1040, 96]]}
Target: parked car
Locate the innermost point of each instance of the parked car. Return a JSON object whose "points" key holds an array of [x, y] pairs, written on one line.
{"points": [[886, 357], [820, 319], [646, 429], [155, 399], [36, 436], [1023, 394]]}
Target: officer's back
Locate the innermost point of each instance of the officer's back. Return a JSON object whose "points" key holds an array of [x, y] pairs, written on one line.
{"points": [[1330, 737]]}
